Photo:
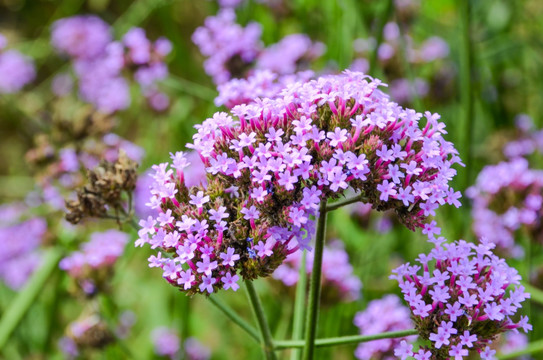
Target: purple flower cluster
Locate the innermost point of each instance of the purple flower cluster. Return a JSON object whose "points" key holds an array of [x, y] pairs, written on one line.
{"points": [[513, 342], [236, 53], [389, 54], [194, 175], [99, 254], [460, 301], [19, 245], [505, 197], [529, 141], [271, 166], [368, 219], [289, 54], [167, 343], [382, 315], [337, 273], [260, 84], [16, 70], [231, 49], [98, 62]]}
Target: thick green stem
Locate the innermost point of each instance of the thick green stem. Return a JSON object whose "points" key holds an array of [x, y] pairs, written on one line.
{"points": [[466, 86], [25, 298], [315, 286], [299, 307], [536, 346], [267, 340], [339, 204], [234, 317], [344, 340]]}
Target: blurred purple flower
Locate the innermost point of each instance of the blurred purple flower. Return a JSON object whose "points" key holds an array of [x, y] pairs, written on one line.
{"points": [[386, 314], [16, 70], [19, 245], [82, 37]]}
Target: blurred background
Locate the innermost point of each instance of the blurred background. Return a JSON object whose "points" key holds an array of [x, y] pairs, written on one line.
{"points": [[63, 109]]}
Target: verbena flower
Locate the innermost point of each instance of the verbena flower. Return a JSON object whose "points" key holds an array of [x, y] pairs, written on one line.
{"points": [[339, 282], [19, 244], [82, 37], [92, 265], [398, 47], [230, 48], [236, 53], [290, 54], [461, 296], [271, 166], [16, 70], [99, 62], [382, 315], [505, 197], [529, 140], [260, 84], [167, 343], [513, 342]]}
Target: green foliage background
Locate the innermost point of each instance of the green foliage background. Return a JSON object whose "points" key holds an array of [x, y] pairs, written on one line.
{"points": [[505, 79]]}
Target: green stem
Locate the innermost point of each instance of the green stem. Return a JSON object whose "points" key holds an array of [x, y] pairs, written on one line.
{"points": [[185, 323], [344, 340], [189, 87], [315, 285], [299, 307], [533, 347], [25, 298], [466, 86], [352, 200], [262, 322], [234, 317]]}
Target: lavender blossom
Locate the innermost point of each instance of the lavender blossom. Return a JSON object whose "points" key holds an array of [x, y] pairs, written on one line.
{"points": [[463, 298], [339, 282], [194, 350], [382, 315], [286, 56], [167, 343], [19, 245], [95, 256], [230, 48], [81, 37], [261, 84], [16, 70], [505, 197], [529, 140], [282, 157], [99, 62]]}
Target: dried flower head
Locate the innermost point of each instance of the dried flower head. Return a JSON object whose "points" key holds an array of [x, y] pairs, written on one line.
{"points": [[106, 184]]}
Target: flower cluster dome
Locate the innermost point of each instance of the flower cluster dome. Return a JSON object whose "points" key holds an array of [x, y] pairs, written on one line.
{"points": [[461, 297], [273, 163]]}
